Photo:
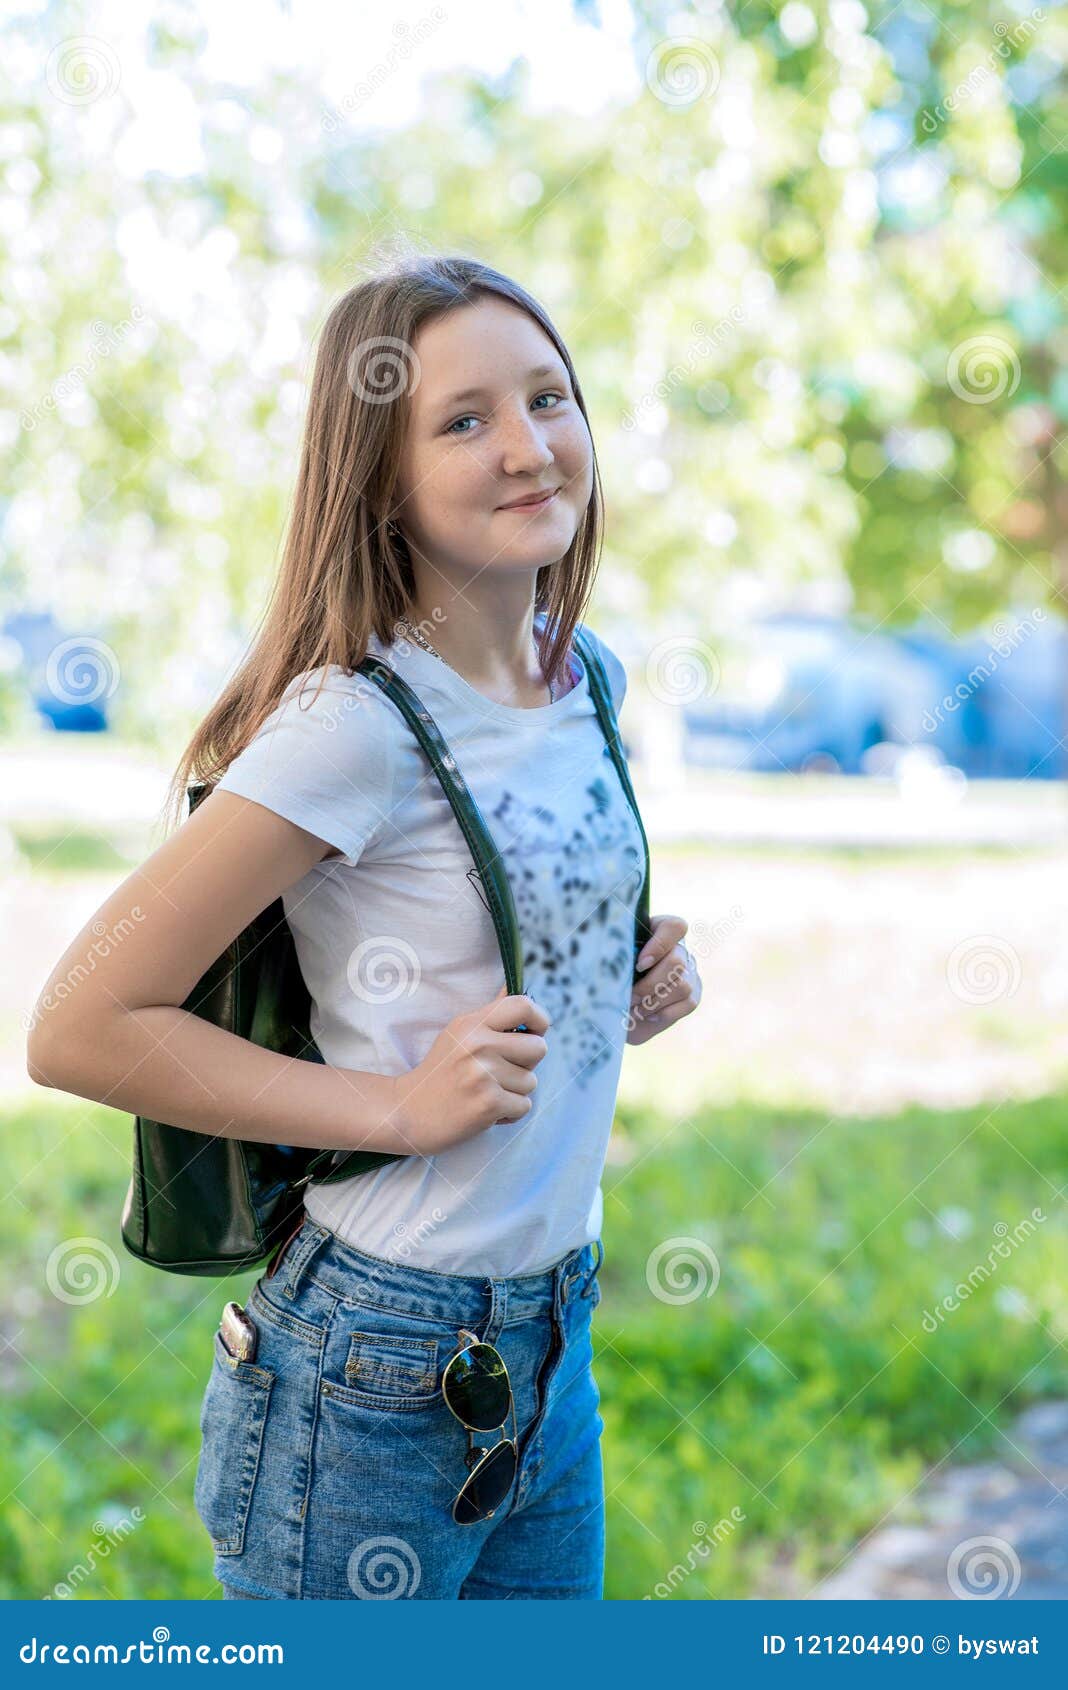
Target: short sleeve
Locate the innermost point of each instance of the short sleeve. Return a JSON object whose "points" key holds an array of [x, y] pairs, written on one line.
{"points": [[323, 758], [613, 668]]}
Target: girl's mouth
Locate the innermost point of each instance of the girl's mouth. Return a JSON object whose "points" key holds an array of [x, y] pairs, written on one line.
{"points": [[533, 504]]}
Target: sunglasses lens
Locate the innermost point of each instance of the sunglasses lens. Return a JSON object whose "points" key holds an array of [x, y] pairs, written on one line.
{"points": [[476, 1388], [487, 1487]]}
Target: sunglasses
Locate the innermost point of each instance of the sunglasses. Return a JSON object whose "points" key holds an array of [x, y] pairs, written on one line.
{"points": [[478, 1392]]}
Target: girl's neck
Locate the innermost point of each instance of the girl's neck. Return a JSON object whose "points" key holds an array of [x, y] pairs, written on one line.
{"points": [[497, 658]]}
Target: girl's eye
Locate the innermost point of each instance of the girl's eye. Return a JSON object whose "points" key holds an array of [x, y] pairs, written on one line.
{"points": [[469, 418]]}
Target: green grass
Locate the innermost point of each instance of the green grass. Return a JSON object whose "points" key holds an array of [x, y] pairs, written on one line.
{"points": [[105, 1420], [76, 852], [804, 1392]]}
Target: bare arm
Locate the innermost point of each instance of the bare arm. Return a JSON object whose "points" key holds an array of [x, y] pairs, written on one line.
{"points": [[108, 1025]]}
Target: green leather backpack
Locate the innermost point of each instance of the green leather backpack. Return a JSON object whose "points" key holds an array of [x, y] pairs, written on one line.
{"points": [[210, 1205]]}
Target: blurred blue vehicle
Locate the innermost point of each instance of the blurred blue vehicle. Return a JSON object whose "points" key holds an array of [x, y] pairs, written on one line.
{"points": [[1001, 710], [55, 668], [801, 692], [805, 693]]}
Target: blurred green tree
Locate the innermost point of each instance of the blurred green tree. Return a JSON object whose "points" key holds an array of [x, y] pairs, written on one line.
{"points": [[812, 275]]}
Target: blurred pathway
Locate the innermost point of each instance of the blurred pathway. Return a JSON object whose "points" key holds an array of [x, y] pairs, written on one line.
{"points": [[59, 778], [986, 1531]]}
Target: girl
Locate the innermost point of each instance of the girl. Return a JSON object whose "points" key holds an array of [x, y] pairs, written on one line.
{"points": [[406, 1406]]}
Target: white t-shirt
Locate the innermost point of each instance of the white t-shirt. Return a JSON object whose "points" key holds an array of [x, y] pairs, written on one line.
{"points": [[395, 939]]}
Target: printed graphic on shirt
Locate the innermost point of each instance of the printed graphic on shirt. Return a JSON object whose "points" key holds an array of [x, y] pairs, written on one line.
{"points": [[576, 884]]}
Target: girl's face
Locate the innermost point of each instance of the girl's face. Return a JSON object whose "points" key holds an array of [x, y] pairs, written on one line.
{"points": [[493, 419]]}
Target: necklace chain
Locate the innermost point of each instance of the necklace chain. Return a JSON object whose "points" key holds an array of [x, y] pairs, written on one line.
{"points": [[406, 627]]}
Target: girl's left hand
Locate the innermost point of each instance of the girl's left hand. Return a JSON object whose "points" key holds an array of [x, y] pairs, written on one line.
{"points": [[669, 988]]}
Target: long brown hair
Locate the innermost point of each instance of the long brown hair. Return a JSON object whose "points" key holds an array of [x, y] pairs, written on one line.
{"points": [[345, 567]]}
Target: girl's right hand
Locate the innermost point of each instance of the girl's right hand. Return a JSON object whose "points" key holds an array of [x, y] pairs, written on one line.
{"points": [[478, 1073]]}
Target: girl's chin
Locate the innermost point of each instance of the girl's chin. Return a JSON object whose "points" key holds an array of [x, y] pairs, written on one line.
{"points": [[554, 528]]}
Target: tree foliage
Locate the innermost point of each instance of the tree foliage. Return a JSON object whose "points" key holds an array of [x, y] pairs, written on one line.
{"points": [[812, 273]]}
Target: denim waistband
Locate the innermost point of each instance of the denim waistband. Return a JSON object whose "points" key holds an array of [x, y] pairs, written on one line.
{"points": [[357, 1276]]}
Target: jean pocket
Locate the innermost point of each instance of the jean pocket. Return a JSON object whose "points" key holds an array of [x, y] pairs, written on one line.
{"points": [[390, 1370], [393, 1359], [232, 1421]]}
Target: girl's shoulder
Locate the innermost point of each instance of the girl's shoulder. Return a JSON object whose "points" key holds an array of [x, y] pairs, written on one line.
{"points": [[322, 708], [321, 758], [323, 692]]}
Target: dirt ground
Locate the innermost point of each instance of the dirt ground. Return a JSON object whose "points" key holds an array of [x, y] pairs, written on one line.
{"points": [[851, 982]]}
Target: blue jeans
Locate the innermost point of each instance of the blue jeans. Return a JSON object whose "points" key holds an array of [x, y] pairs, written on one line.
{"points": [[330, 1462]]}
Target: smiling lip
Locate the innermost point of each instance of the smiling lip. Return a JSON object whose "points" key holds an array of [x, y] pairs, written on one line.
{"points": [[532, 503]]}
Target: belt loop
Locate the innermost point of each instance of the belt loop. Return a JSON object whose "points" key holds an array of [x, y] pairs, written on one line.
{"points": [[498, 1313], [569, 1271], [588, 1288], [310, 1239], [276, 1259]]}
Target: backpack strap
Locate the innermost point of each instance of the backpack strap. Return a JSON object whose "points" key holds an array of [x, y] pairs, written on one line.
{"points": [[479, 840], [602, 698]]}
